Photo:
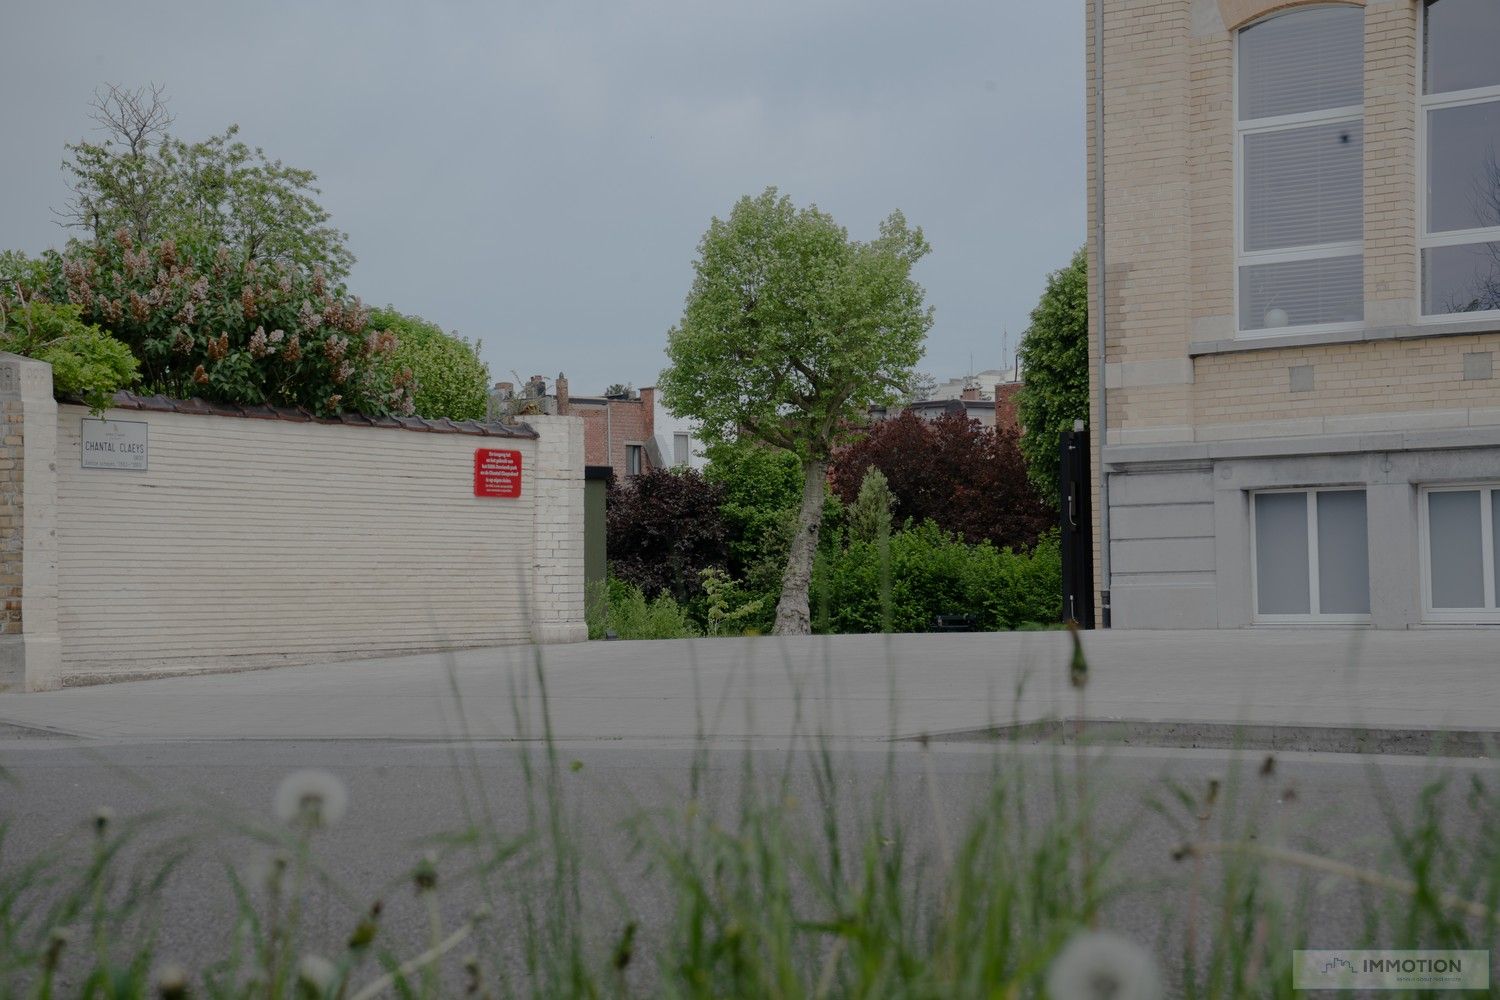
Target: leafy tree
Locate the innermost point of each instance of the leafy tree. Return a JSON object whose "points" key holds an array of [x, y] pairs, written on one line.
{"points": [[968, 479], [451, 380], [87, 363], [218, 192], [205, 322], [1055, 365], [790, 333], [619, 389], [870, 514], [663, 529]]}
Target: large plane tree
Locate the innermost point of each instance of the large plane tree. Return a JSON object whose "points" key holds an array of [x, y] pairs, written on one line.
{"points": [[791, 332]]}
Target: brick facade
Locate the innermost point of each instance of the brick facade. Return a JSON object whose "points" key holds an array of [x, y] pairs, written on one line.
{"points": [[1182, 385]]}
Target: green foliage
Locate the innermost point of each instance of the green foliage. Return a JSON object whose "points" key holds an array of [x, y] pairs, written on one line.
{"points": [[792, 330], [630, 616], [209, 323], [451, 380], [870, 515], [790, 333], [928, 573], [761, 485], [218, 192], [1055, 365], [726, 605], [87, 363], [762, 490]]}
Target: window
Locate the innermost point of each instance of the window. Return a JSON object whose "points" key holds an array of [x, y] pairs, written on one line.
{"points": [[1461, 560], [1460, 142], [632, 460], [679, 449], [1312, 557], [1300, 164]]}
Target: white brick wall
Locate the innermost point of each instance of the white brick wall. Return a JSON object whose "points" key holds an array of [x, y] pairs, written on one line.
{"points": [[255, 542]]}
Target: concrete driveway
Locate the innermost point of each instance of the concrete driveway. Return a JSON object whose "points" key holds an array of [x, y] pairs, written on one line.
{"points": [[843, 686]]}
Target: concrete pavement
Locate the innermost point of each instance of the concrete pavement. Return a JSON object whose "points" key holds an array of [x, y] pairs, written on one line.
{"points": [[851, 687]]}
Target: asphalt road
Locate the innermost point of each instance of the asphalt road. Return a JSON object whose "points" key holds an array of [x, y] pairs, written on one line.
{"points": [[402, 794]]}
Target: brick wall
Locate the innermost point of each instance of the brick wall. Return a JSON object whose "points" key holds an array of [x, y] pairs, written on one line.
{"points": [[1169, 174], [258, 542], [609, 426]]}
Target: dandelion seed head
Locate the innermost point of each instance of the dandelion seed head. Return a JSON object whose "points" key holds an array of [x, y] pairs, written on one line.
{"points": [[313, 796], [103, 816], [1099, 965], [317, 972], [172, 982]]}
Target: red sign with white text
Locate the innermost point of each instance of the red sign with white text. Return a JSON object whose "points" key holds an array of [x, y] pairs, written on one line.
{"points": [[497, 472]]}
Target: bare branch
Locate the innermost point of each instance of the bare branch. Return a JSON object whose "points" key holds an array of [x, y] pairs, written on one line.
{"points": [[134, 117]]}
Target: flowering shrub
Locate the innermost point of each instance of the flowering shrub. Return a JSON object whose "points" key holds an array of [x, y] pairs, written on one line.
{"points": [[213, 324]]}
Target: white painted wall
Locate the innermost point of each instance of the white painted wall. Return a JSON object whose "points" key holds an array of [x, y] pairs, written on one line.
{"points": [[253, 542], [667, 425]]}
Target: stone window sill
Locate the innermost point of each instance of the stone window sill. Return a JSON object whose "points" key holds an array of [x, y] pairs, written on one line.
{"points": [[1412, 331]]}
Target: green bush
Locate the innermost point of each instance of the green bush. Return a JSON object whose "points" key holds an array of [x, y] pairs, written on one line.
{"points": [[925, 572], [630, 616], [87, 363], [451, 380]]}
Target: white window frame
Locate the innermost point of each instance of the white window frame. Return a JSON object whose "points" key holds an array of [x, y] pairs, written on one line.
{"points": [[1320, 251], [1489, 614], [1314, 616], [1459, 237]]}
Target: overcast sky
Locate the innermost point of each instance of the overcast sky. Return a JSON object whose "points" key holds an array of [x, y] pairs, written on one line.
{"points": [[538, 175]]}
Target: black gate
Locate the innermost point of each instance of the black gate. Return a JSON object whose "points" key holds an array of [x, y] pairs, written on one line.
{"points": [[1077, 529]]}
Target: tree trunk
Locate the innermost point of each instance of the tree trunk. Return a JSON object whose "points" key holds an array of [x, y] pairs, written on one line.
{"points": [[792, 617]]}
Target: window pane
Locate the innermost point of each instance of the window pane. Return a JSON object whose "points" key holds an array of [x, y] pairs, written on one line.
{"points": [[1343, 554], [1456, 562], [1307, 60], [680, 449], [1304, 186], [1281, 586], [1495, 538], [1462, 38], [1463, 278], [1298, 293], [1463, 167]]}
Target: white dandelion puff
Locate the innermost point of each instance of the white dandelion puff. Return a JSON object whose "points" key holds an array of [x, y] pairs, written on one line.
{"points": [[313, 796], [317, 972], [1099, 965], [172, 982]]}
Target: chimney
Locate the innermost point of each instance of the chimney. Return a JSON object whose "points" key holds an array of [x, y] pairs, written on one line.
{"points": [[648, 401], [536, 387], [505, 390], [561, 391], [970, 394], [1006, 414]]}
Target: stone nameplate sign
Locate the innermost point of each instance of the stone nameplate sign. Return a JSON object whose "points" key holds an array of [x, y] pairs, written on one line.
{"points": [[497, 472], [114, 444]]}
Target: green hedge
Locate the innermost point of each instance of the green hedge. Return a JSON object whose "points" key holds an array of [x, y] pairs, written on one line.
{"points": [[924, 572]]}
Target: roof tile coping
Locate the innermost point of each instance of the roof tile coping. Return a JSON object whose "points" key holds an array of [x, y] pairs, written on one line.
{"points": [[298, 415]]}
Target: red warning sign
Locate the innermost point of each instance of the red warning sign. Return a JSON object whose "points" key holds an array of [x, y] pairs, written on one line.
{"points": [[497, 472]]}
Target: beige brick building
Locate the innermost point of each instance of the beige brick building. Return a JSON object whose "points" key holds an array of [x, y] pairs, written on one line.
{"points": [[1299, 311]]}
